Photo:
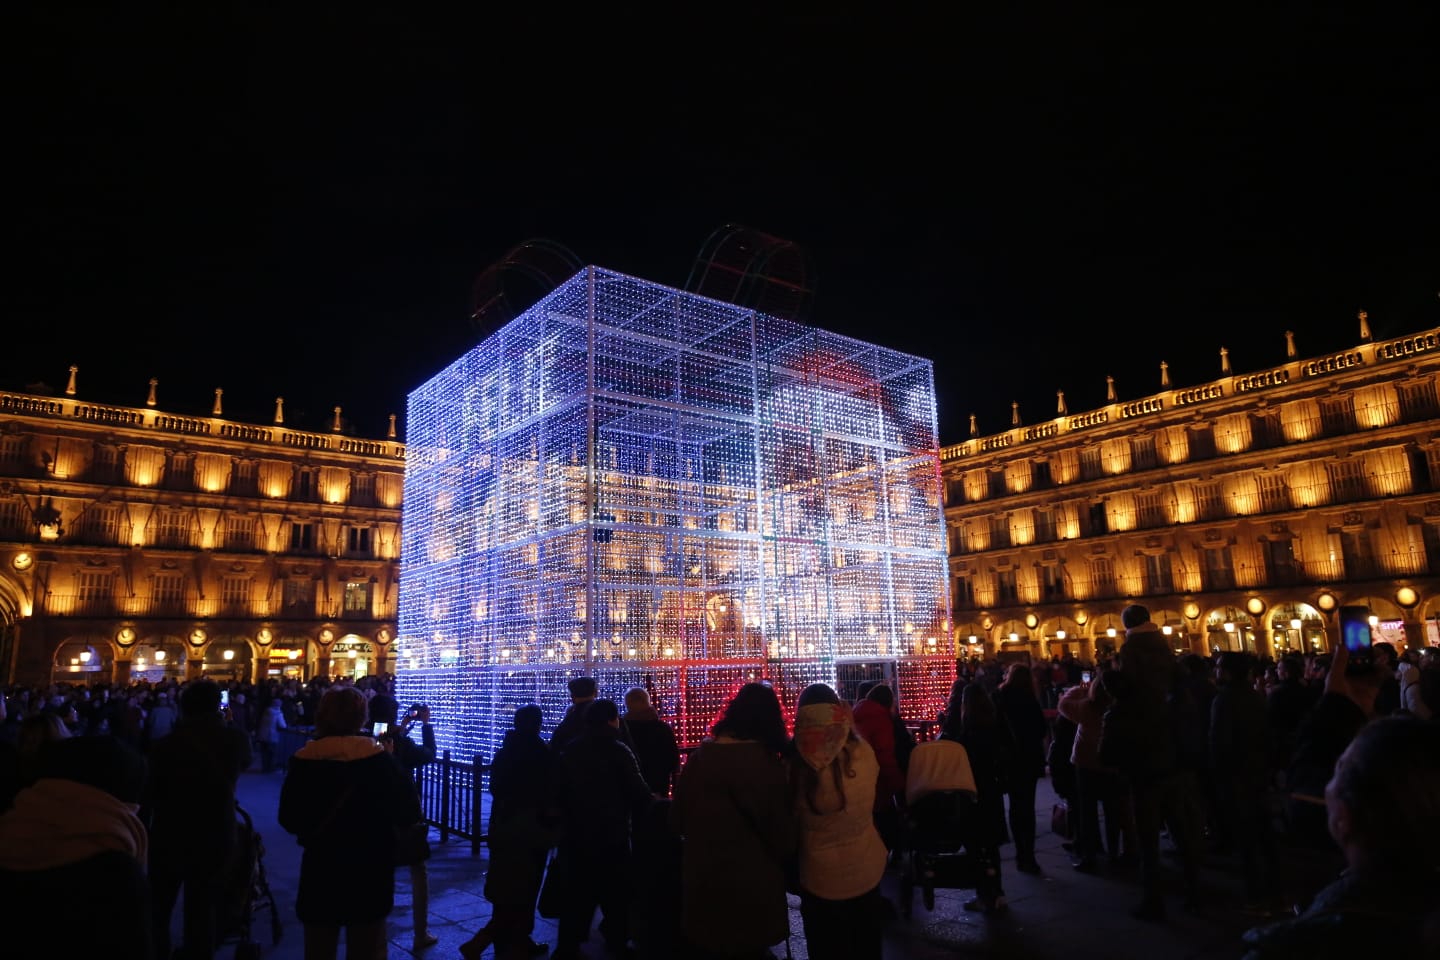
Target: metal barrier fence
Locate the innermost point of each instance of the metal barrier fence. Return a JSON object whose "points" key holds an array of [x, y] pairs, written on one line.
{"points": [[451, 791]]}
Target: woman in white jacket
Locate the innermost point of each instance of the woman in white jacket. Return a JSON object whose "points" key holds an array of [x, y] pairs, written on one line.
{"points": [[842, 858]]}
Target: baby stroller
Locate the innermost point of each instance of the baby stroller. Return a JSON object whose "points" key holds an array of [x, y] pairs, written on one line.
{"points": [[245, 893], [940, 828]]}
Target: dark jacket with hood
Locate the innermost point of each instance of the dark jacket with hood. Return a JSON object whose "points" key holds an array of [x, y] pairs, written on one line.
{"points": [[600, 790], [343, 797]]}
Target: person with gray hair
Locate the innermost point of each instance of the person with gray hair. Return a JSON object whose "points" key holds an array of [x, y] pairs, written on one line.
{"points": [[652, 740], [1382, 805]]}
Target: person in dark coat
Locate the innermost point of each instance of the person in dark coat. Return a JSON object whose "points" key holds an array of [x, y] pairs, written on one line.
{"points": [[974, 723], [652, 740], [190, 806], [1020, 709], [1286, 706], [1240, 764], [74, 833], [411, 757], [521, 832], [732, 809], [582, 693], [1381, 806], [343, 798], [599, 791]]}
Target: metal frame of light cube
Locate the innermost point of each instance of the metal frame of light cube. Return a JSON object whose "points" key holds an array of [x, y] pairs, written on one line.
{"points": [[666, 491]]}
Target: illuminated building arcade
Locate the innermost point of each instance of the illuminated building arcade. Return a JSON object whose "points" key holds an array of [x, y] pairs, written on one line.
{"points": [[663, 490]]}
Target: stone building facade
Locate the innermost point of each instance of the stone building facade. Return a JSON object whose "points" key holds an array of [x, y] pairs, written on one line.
{"points": [[136, 544], [1243, 512]]}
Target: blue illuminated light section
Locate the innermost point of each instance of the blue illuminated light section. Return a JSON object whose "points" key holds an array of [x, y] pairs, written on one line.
{"points": [[668, 492]]}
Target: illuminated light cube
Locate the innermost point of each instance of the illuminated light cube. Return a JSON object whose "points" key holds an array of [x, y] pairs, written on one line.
{"points": [[666, 491]]}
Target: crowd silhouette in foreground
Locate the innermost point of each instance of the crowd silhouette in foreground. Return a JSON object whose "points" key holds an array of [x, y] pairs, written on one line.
{"points": [[1317, 778]]}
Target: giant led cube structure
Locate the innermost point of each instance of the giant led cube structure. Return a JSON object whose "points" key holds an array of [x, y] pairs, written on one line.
{"points": [[666, 491]]}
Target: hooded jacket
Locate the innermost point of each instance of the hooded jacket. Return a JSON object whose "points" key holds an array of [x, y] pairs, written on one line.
{"points": [[343, 797]]}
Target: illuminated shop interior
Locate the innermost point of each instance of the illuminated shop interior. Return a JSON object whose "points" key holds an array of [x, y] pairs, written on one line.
{"points": [[663, 490]]}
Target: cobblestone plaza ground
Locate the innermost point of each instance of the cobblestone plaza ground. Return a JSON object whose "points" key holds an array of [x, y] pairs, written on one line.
{"points": [[1059, 914]]}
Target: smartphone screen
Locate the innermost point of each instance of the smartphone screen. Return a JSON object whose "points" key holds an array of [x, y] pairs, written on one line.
{"points": [[381, 729], [224, 699], [1085, 677], [1355, 629]]}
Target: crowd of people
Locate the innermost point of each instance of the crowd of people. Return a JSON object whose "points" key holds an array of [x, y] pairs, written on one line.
{"points": [[1318, 778]]}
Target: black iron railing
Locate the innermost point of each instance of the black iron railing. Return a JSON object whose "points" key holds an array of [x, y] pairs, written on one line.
{"points": [[452, 796]]}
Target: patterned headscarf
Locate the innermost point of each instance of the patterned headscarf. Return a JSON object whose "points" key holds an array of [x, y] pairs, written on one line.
{"points": [[821, 731]]}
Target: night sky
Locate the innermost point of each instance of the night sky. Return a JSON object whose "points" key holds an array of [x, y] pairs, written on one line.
{"points": [[1033, 201]]}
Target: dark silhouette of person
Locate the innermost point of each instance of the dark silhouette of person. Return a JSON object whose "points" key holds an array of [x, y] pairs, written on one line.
{"points": [[582, 693], [190, 802], [652, 740], [74, 832], [521, 833], [600, 792]]}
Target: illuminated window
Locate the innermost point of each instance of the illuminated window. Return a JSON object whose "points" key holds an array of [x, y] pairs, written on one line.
{"points": [[357, 598]]}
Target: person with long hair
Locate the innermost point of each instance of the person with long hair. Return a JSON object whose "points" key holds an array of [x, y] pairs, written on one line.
{"points": [[1020, 709], [343, 797], [1085, 706], [976, 725], [842, 858], [732, 808]]}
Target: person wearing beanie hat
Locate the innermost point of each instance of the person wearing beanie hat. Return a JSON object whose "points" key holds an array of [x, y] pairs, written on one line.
{"points": [[842, 858], [583, 691]]}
